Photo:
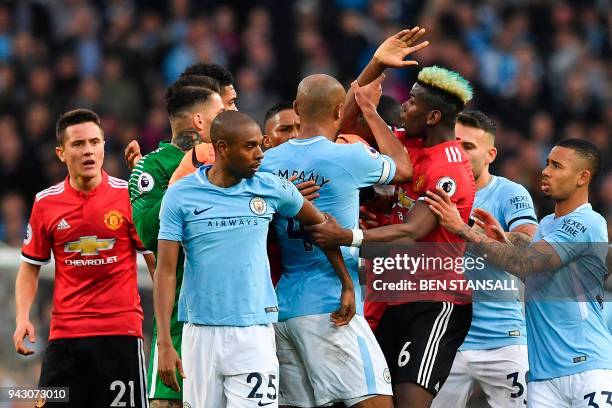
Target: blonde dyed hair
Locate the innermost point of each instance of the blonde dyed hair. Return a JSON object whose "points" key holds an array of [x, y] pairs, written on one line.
{"points": [[448, 81]]}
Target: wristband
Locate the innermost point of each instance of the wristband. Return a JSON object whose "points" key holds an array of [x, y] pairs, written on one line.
{"points": [[357, 237]]}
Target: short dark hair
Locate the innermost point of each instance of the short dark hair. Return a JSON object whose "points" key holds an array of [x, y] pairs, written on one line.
{"points": [[201, 81], [229, 125], [390, 110], [447, 103], [215, 71], [588, 151], [183, 98], [281, 106], [74, 117], [477, 119]]}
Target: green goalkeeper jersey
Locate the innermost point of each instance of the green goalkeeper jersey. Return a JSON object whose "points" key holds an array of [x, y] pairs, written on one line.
{"points": [[148, 184]]}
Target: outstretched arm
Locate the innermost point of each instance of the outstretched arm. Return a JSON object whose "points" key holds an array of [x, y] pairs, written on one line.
{"points": [[538, 257], [367, 98], [420, 223], [390, 54]]}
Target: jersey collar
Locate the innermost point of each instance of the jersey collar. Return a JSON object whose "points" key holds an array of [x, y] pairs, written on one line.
{"points": [[202, 176], [585, 206], [102, 187], [303, 142], [163, 143]]}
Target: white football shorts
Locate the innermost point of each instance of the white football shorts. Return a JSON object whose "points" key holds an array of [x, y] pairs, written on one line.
{"points": [[500, 373], [226, 366], [321, 364], [587, 389]]}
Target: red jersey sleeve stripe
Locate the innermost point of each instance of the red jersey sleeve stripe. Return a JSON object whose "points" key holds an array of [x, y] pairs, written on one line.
{"points": [[34, 260]]}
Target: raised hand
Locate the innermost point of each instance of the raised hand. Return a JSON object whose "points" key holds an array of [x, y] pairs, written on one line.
{"points": [[367, 96], [132, 154], [392, 52]]}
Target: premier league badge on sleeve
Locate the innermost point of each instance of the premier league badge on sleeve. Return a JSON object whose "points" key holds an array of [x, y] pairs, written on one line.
{"points": [[28, 237], [145, 183], [448, 185], [371, 151]]}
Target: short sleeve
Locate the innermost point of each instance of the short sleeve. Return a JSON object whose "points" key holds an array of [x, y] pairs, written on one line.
{"points": [[290, 201], [446, 178], [367, 166], [517, 206], [36, 248], [170, 218], [570, 238]]}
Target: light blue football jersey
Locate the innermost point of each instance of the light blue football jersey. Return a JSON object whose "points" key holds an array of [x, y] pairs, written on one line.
{"points": [[567, 333], [309, 285], [497, 316], [224, 232]]}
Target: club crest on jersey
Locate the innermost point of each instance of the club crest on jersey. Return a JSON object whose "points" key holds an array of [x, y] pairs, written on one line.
{"points": [[387, 376], [448, 185], [258, 205], [90, 245], [419, 184], [40, 402], [113, 220], [371, 151], [28, 237], [145, 183]]}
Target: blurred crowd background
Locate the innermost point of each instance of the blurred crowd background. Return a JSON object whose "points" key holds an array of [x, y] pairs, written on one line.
{"points": [[541, 68]]}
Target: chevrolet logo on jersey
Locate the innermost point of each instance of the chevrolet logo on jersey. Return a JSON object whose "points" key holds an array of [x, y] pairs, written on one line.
{"points": [[90, 246]]}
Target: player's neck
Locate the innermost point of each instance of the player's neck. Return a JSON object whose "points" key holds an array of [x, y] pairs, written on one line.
{"points": [[85, 184], [221, 178], [309, 130], [564, 207], [483, 180], [439, 134]]}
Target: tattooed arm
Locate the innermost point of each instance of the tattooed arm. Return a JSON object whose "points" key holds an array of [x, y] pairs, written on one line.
{"points": [[522, 235], [519, 239], [517, 260]]}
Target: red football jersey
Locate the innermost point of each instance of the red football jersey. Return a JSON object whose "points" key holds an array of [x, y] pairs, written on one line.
{"points": [[443, 165], [446, 166], [94, 245]]}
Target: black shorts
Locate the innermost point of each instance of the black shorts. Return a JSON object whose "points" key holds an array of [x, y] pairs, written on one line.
{"points": [[104, 371], [420, 340]]}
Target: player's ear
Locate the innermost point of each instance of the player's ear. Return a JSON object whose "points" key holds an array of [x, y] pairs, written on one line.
{"points": [[338, 111], [265, 142], [197, 121], [222, 147], [584, 177], [59, 151], [295, 108], [434, 117], [491, 155]]}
